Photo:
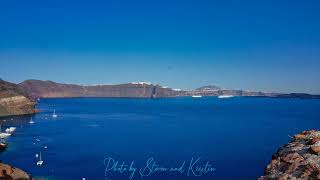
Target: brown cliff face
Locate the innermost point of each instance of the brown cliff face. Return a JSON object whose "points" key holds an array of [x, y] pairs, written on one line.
{"points": [[299, 159], [49, 89], [13, 101]]}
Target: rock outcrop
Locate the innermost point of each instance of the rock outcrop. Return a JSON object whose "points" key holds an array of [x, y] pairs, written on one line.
{"points": [[299, 159], [13, 101], [12, 173], [49, 89]]}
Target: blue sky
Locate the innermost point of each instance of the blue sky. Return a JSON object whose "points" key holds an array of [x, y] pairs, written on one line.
{"points": [[254, 45]]}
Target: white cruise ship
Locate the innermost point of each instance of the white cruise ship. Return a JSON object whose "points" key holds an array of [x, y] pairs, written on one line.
{"points": [[225, 96]]}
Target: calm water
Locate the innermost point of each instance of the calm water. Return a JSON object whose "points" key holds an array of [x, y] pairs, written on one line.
{"points": [[237, 136]]}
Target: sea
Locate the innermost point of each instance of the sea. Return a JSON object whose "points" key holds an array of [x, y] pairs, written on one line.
{"points": [[166, 138]]}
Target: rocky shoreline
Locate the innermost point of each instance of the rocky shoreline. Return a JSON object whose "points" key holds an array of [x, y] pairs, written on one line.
{"points": [[299, 159], [14, 101], [9, 172]]}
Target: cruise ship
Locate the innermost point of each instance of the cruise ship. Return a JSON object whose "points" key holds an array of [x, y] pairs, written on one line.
{"points": [[225, 96]]}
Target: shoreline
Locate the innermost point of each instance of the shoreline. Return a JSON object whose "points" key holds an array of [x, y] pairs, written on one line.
{"points": [[10, 172], [299, 159]]}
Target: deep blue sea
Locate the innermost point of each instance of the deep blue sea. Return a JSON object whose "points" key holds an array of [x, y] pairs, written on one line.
{"points": [[172, 138]]}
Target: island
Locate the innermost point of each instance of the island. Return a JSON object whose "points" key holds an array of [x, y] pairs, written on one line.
{"points": [[19, 99], [50, 89]]}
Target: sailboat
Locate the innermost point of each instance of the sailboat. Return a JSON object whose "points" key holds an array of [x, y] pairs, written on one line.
{"points": [[40, 162], [54, 115], [31, 122]]}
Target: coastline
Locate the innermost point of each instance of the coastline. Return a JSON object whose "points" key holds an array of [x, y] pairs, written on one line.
{"points": [[11, 172], [299, 159]]}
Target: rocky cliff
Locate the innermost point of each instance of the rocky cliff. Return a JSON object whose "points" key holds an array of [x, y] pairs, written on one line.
{"points": [[49, 89], [13, 101], [299, 159]]}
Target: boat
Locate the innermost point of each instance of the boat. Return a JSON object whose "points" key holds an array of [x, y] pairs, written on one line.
{"points": [[40, 162], [54, 115], [225, 96], [10, 130], [4, 135], [196, 96], [31, 122], [3, 145]]}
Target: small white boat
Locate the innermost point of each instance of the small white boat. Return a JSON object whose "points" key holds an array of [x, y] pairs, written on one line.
{"points": [[40, 162], [225, 96], [54, 115], [31, 122], [196, 96], [10, 130], [4, 135]]}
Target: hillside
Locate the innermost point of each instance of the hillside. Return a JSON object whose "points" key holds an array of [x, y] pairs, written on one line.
{"points": [[50, 89], [14, 101]]}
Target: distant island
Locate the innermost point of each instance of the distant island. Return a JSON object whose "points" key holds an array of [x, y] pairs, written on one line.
{"points": [[50, 89], [18, 99]]}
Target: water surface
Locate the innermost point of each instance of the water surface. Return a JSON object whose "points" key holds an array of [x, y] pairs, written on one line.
{"points": [[237, 135]]}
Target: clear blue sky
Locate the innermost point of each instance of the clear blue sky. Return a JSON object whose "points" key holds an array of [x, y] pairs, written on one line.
{"points": [[271, 45]]}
